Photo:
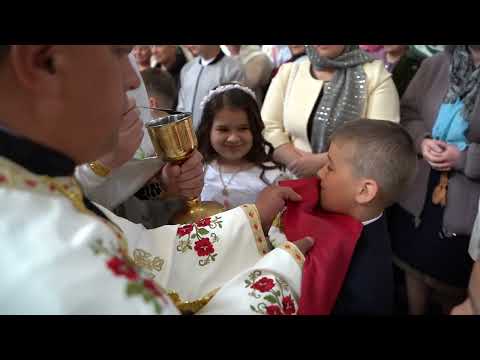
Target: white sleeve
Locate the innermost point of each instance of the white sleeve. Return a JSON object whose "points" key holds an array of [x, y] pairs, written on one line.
{"points": [[121, 184]]}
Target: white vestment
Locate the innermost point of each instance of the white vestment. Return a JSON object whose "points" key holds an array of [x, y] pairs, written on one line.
{"points": [[60, 258]]}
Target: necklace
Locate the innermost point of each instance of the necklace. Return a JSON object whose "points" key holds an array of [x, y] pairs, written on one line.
{"points": [[225, 192], [225, 186]]}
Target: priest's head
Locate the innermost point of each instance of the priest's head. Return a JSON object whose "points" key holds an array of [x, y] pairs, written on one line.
{"points": [[70, 98], [370, 163]]}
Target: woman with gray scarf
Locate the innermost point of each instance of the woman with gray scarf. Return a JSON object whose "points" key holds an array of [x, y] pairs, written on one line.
{"points": [[307, 101], [431, 225]]}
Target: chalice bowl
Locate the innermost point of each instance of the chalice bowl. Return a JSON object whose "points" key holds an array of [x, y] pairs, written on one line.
{"points": [[175, 141]]}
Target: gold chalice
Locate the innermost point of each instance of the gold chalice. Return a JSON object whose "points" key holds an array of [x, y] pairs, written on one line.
{"points": [[175, 141]]}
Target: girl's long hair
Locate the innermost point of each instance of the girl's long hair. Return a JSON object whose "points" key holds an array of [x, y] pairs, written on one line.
{"points": [[236, 99]]}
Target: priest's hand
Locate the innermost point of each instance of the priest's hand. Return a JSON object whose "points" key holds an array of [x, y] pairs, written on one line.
{"points": [[185, 180], [130, 137], [271, 201]]}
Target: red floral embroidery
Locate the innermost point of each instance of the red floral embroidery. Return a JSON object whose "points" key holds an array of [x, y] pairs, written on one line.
{"points": [[120, 267], [204, 247], [200, 237], [273, 310], [150, 285], [184, 230], [288, 305], [263, 285], [204, 222], [31, 183], [3, 178], [272, 295]]}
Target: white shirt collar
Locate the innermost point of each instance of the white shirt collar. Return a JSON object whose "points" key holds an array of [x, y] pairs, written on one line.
{"points": [[206, 62], [368, 222]]}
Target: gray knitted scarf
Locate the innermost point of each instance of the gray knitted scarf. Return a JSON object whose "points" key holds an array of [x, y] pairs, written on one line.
{"points": [[464, 78], [343, 97]]}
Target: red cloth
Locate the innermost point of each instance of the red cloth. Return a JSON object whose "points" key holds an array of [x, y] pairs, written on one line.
{"points": [[327, 262]]}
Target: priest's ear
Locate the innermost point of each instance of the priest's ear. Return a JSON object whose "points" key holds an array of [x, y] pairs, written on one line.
{"points": [[35, 67], [367, 190]]}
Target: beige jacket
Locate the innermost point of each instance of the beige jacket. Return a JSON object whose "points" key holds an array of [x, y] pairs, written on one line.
{"points": [[291, 98]]}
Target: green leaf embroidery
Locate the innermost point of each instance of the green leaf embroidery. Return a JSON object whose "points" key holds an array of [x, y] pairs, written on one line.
{"points": [[134, 288], [203, 232], [270, 298]]}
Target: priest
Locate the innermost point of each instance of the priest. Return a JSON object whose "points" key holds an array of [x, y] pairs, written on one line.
{"points": [[62, 106]]}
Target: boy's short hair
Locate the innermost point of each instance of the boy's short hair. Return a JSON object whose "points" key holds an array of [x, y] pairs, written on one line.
{"points": [[383, 151], [159, 82]]}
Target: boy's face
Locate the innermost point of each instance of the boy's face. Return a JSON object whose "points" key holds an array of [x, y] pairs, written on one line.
{"points": [[339, 187]]}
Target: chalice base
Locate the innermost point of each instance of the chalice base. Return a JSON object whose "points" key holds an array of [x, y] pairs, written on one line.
{"points": [[197, 211]]}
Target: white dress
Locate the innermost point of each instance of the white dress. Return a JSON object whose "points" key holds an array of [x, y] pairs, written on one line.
{"points": [[243, 187]]}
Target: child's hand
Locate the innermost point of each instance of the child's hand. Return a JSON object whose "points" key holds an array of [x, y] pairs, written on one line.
{"points": [[271, 201]]}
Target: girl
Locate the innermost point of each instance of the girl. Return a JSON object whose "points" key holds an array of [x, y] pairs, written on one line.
{"points": [[239, 160]]}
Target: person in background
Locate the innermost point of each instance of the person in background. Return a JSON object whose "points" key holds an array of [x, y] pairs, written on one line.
{"points": [[432, 222], [307, 101], [193, 49], [429, 50], [299, 53], [402, 61], [143, 54], [203, 74], [160, 86], [170, 58], [258, 68]]}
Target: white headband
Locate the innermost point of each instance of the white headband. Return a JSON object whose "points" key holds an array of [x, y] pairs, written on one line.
{"points": [[224, 88]]}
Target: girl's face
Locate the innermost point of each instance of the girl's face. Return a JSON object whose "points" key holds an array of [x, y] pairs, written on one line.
{"points": [[230, 136]]}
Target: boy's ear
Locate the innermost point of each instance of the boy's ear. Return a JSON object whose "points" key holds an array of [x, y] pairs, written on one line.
{"points": [[367, 191]]}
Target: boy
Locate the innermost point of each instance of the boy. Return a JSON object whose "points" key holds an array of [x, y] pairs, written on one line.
{"points": [[370, 163], [161, 88], [202, 74]]}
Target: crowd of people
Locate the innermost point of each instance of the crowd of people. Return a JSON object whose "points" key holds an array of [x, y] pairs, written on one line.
{"points": [[382, 136]]}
